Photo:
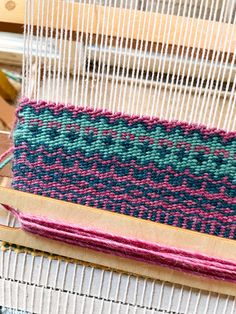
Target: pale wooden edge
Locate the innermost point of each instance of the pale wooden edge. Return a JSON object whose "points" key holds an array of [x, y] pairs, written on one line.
{"points": [[7, 113], [155, 30], [19, 237], [118, 224]]}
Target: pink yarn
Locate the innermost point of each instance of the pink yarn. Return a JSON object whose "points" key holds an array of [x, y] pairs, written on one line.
{"points": [[148, 252], [6, 153]]}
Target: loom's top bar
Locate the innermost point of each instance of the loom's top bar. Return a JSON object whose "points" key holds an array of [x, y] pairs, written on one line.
{"points": [[154, 30]]}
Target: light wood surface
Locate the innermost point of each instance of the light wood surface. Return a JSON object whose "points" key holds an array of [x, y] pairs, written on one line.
{"points": [[155, 30], [7, 113], [5, 143]]}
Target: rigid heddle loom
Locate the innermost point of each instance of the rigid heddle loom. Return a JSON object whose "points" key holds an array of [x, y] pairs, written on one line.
{"points": [[123, 152]]}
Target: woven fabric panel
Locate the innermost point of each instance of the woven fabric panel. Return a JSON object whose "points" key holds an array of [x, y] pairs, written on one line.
{"points": [[169, 172]]}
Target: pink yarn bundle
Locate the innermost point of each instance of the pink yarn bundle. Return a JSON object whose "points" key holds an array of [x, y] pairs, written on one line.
{"points": [[148, 252]]}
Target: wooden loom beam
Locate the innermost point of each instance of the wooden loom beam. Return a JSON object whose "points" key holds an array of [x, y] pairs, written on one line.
{"points": [[13, 12]]}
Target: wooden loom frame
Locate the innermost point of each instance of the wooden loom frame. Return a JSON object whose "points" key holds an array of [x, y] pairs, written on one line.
{"points": [[13, 12]]}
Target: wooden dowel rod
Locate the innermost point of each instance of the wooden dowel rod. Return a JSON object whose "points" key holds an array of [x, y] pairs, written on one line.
{"points": [[176, 33], [118, 224]]}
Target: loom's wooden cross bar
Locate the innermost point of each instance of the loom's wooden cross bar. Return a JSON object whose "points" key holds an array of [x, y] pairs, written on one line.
{"points": [[13, 12]]}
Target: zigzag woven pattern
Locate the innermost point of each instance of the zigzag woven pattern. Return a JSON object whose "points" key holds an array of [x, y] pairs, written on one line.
{"points": [[170, 172]]}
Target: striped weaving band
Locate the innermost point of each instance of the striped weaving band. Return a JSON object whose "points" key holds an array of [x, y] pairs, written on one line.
{"points": [[169, 172]]}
